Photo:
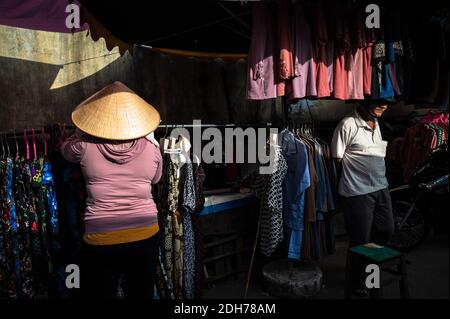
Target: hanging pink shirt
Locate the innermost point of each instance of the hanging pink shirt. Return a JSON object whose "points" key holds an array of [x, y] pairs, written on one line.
{"points": [[342, 60], [356, 70], [286, 59], [367, 62], [320, 43], [304, 82], [261, 81]]}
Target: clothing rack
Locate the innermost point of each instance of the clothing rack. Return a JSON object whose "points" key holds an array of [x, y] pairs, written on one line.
{"points": [[19, 134], [215, 125]]}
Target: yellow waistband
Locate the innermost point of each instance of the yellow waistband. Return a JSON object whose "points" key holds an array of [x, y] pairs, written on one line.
{"points": [[121, 236]]}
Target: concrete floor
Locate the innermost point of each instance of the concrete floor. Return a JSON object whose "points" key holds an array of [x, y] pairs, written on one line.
{"points": [[428, 275]]}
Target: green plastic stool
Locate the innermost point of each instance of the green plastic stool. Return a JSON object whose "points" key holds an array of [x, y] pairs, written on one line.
{"points": [[387, 259]]}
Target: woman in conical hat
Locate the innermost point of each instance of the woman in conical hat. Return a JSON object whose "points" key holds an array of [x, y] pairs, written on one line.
{"points": [[119, 166]]}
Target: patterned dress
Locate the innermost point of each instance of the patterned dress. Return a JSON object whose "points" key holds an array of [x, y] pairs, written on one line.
{"points": [[268, 188], [9, 226], [23, 209], [187, 203]]}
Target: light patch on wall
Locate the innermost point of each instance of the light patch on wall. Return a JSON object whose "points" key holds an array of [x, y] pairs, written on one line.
{"points": [[77, 54], [76, 71]]}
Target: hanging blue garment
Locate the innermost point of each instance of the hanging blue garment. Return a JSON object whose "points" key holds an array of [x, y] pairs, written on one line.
{"points": [[295, 183]]}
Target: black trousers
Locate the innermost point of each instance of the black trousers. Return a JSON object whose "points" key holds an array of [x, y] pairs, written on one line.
{"points": [[368, 218], [102, 267]]}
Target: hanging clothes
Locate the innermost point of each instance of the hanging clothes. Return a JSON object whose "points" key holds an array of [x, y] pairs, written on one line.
{"points": [[269, 189], [304, 82], [167, 200], [39, 261], [180, 199], [14, 259], [322, 54], [23, 206], [187, 204], [286, 59], [8, 221], [367, 61], [178, 255], [358, 43], [189, 256], [42, 213], [383, 55], [295, 183], [163, 289], [199, 277], [342, 58], [3, 265], [261, 79]]}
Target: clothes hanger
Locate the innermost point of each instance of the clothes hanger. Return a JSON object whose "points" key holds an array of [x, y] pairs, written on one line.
{"points": [[44, 139], [34, 144], [163, 141], [7, 146], [17, 145], [3, 146], [26, 144]]}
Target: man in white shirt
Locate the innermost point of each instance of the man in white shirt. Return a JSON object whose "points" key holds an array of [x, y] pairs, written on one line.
{"points": [[359, 151]]}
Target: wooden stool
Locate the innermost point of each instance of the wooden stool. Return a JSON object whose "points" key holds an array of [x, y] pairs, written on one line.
{"points": [[386, 259]]}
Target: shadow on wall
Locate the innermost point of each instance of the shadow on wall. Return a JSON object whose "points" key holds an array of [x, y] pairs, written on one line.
{"points": [[27, 100], [183, 89]]}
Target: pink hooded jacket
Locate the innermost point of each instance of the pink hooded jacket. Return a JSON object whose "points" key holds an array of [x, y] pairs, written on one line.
{"points": [[118, 179]]}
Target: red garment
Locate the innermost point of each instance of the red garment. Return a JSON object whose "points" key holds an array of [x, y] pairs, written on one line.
{"points": [[342, 57], [286, 60], [367, 61], [356, 70], [320, 39], [418, 142], [304, 82]]}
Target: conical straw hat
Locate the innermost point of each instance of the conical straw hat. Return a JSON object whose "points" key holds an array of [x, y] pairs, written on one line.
{"points": [[116, 113]]}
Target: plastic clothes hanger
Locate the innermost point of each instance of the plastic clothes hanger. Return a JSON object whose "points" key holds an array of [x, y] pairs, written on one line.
{"points": [[163, 141], [3, 146], [44, 139], [17, 145], [7, 146], [34, 144], [27, 145]]}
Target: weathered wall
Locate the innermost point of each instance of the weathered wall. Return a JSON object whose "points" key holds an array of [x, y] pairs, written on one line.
{"points": [[44, 75]]}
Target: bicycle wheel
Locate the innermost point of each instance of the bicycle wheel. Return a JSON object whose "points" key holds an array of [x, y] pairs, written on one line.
{"points": [[410, 233]]}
